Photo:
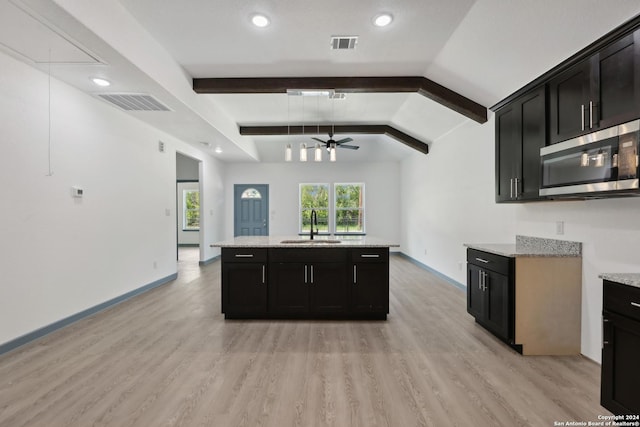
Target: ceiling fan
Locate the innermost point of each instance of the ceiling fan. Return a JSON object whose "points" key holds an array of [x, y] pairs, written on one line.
{"points": [[330, 143]]}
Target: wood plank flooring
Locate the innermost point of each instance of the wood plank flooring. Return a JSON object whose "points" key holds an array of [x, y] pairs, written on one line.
{"points": [[168, 358]]}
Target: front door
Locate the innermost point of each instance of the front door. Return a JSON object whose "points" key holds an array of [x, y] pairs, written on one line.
{"points": [[251, 210]]}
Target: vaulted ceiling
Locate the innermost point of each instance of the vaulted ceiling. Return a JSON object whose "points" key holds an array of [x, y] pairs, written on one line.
{"points": [[480, 50]]}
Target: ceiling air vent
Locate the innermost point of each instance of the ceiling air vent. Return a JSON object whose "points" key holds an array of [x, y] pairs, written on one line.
{"points": [[134, 101], [344, 42]]}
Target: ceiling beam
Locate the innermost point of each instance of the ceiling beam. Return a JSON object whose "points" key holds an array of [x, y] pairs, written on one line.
{"points": [[394, 133], [421, 85]]}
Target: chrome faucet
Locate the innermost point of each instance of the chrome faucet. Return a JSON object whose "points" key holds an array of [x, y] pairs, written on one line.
{"points": [[314, 219]]}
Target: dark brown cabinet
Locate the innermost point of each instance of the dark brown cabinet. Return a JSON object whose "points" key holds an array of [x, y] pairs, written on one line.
{"points": [[244, 281], [370, 280], [620, 349], [520, 133], [598, 92], [490, 292]]}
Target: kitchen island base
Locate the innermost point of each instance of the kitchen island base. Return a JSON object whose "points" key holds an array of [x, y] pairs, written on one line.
{"points": [[331, 282]]}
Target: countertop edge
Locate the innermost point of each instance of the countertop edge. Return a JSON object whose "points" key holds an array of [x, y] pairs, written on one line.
{"points": [[515, 253], [629, 279]]}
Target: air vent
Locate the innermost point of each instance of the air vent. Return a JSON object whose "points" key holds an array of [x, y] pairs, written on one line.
{"points": [[134, 101], [344, 42]]}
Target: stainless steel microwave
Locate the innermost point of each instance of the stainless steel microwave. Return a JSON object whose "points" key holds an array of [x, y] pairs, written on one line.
{"points": [[600, 162]]}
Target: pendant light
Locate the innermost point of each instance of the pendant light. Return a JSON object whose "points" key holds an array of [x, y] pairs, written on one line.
{"points": [[332, 152], [318, 153], [288, 155], [303, 146]]}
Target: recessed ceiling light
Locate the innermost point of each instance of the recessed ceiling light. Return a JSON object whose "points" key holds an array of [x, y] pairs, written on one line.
{"points": [[382, 20], [260, 20], [218, 149], [101, 82]]}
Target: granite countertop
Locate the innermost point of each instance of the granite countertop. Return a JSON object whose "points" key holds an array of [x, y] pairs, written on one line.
{"points": [[305, 242], [527, 246], [631, 279]]}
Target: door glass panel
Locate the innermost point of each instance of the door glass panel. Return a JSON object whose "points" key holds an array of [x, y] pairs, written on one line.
{"points": [[251, 193]]}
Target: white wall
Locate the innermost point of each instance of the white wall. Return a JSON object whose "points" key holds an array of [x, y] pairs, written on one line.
{"points": [[61, 255], [382, 199], [448, 200], [609, 230]]}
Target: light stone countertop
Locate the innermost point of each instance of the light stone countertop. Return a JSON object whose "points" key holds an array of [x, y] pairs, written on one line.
{"points": [[526, 246], [305, 242], [631, 279]]}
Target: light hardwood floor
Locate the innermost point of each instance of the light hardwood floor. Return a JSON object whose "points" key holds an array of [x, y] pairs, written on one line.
{"points": [[168, 358]]}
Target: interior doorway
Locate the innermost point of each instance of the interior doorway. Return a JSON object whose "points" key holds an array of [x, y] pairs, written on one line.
{"points": [[251, 210], [188, 206]]}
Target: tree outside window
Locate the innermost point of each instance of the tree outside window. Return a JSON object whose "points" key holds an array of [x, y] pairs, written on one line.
{"points": [[314, 196], [349, 208], [191, 209]]}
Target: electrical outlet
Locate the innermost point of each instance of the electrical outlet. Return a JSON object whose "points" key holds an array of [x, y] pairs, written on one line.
{"points": [[559, 228]]}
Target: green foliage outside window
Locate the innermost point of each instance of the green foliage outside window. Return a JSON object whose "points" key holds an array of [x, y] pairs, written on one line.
{"points": [[191, 210], [349, 208], [314, 196]]}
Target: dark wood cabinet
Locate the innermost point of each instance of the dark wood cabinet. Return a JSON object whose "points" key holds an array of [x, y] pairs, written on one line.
{"points": [[305, 282], [370, 280], [598, 92], [490, 286], [244, 281], [520, 133], [620, 349]]}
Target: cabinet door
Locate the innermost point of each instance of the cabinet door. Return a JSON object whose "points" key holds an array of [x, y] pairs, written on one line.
{"points": [[475, 295], [620, 371], [508, 152], [617, 68], [569, 95], [244, 288], [534, 137], [496, 313], [328, 285], [370, 287], [289, 288]]}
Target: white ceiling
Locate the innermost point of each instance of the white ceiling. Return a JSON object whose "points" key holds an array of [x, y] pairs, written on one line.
{"points": [[484, 50]]}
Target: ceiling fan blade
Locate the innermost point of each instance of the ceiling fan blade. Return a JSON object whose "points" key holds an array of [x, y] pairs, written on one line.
{"points": [[342, 141], [318, 139], [350, 147]]}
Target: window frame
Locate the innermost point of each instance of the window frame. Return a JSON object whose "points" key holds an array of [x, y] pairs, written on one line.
{"points": [[362, 209], [302, 231], [185, 210]]}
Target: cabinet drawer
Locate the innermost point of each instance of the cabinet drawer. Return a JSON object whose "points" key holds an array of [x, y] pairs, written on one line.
{"points": [[370, 255], [499, 264], [622, 299], [244, 255], [311, 255]]}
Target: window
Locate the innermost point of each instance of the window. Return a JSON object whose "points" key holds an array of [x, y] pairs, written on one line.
{"points": [[349, 208], [251, 193], [191, 210], [314, 196]]}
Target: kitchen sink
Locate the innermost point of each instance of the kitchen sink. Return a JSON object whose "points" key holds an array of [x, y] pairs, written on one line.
{"points": [[309, 241]]}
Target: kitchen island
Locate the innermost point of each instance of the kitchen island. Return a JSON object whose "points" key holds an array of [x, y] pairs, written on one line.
{"points": [[271, 277]]}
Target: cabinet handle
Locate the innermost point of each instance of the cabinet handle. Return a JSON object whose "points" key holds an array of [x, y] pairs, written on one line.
{"points": [[511, 188], [355, 274], [305, 274], [370, 256], [263, 273], [482, 260], [590, 114], [515, 186], [244, 255], [635, 304], [312, 274], [480, 279], [582, 114]]}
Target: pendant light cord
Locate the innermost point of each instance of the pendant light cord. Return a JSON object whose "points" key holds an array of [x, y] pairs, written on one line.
{"points": [[50, 171]]}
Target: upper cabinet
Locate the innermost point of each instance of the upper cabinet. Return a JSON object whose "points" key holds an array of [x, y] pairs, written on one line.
{"points": [[520, 133], [601, 91]]}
